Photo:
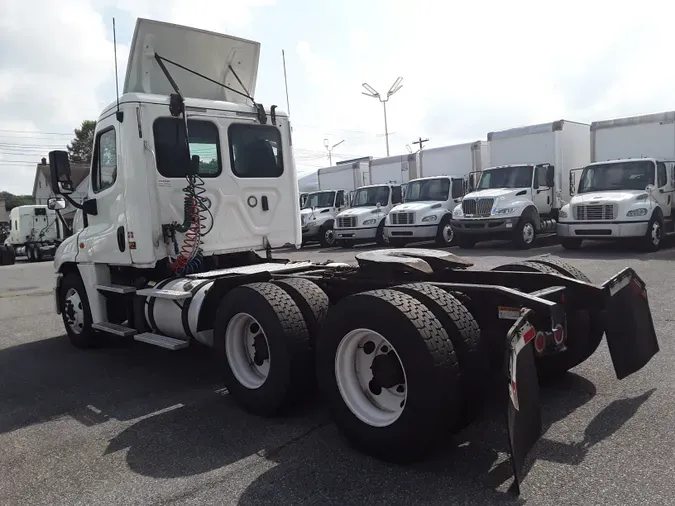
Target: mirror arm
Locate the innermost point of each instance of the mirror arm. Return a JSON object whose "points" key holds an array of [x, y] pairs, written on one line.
{"points": [[71, 201], [68, 230]]}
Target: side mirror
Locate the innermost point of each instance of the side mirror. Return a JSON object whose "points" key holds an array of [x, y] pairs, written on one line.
{"points": [[56, 203], [379, 205], [59, 168], [650, 188]]}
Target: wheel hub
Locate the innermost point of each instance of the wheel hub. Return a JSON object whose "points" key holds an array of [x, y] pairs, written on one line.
{"points": [[387, 371], [73, 311], [528, 233]]}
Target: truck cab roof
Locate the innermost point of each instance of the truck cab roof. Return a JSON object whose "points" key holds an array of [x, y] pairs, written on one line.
{"points": [[625, 160]]}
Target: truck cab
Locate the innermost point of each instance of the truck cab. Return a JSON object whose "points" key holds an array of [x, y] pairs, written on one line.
{"points": [[620, 199], [364, 221], [426, 211], [35, 231], [511, 201], [317, 215]]}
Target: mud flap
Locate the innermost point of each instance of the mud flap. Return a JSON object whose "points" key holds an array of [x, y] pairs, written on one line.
{"points": [[524, 410], [629, 326]]}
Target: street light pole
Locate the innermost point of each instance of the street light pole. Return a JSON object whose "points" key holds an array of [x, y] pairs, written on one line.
{"points": [[374, 94], [330, 149]]}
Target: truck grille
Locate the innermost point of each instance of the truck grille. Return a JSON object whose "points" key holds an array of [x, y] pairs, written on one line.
{"points": [[477, 207], [594, 212], [402, 218], [346, 222]]}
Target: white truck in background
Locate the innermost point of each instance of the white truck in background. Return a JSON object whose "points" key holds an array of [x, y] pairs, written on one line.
{"points": [[444, 175], [35, 232], [627, 191], [364, 220], [336, 185], [519, 197]]}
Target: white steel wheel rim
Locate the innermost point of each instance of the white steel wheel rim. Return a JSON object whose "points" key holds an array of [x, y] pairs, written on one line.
{"points": [[353, 374], [656, 233], [528, 232], [74, 311], [245, 348], [329, 236], [448, 233]]}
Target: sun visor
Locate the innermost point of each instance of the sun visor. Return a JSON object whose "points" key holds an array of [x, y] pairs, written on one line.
{"points": [[207, 53]]}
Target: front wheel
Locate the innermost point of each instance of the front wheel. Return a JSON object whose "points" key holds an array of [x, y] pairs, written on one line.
{"points": [[524, 234], [327, 236], [76, 312], [654, 236], [380, 238], [445, 235]]}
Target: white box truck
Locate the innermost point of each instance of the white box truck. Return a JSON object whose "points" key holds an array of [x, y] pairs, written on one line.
{"points": [[398, 359], [364, 220], [319, 209], [393, 169], [429, 199], [519, 196], [35, 232], [627, 192]]}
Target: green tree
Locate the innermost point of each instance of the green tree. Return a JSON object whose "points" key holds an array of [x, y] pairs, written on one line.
{"points": [[79, 150]]}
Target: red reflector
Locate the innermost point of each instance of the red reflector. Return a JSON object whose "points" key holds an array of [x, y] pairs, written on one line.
{"points": [[558, 335], [529, 335], [539, 342]]}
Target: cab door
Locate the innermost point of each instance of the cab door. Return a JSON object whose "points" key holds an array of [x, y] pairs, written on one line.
{"points": [[542, 193], [664, 191], [104, 236]]}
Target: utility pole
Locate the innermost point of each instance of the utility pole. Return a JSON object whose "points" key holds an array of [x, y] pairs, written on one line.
{"points": [[421, 142]]}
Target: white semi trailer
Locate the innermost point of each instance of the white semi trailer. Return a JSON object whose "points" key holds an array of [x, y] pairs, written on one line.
{"points": [[520, 195], [191, 180], [627, 192]]}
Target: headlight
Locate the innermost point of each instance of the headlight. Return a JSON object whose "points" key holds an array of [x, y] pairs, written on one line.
{"points": [[562, 214], [433, 217], [369, 222], [506, 210], [637, 212], [457, 211]]}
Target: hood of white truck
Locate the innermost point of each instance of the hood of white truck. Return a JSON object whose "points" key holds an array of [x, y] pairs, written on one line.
{"points": [[606, 197], [494, 193], [359, 211], [208, 53], [417, 206]]}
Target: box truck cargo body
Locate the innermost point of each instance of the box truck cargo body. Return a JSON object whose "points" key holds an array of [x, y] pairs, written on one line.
{"points": [[344, 177], [628, 191], [519, 196], [393, 169]]}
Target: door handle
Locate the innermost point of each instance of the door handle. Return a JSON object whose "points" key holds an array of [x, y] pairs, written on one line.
{"points": [[265, 203], [121, 243]]}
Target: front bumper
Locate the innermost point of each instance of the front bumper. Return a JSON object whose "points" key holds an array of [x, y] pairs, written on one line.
{"points": [[486, 226], [355, 234], [600, 230], [411, 231]]}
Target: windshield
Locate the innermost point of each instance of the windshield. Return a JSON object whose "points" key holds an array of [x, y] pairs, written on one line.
{"points": [[634, 175], [517, 176], [319, 199], [430, 189], [371, 196]]}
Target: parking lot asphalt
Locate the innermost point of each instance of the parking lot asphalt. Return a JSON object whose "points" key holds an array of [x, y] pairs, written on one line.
{"points": [[142, 425]]}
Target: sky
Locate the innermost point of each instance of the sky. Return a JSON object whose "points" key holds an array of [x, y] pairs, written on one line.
{"points": [[467, 68]]}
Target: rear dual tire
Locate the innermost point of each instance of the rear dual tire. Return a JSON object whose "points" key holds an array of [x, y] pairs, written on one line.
{"points": [[425, 383]]}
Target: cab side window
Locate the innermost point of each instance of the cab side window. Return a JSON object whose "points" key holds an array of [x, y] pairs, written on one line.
{"points": [[662, 174], [396, 195], [340, 200], [104, 163]]}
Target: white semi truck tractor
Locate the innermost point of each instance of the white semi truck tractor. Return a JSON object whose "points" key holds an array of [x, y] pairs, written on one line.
{"points": [[193, 184], [35, 231]]}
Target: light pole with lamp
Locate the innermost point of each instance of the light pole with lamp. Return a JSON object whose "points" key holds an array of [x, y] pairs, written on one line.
{"points": [[374, 94], [330, 149]]}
